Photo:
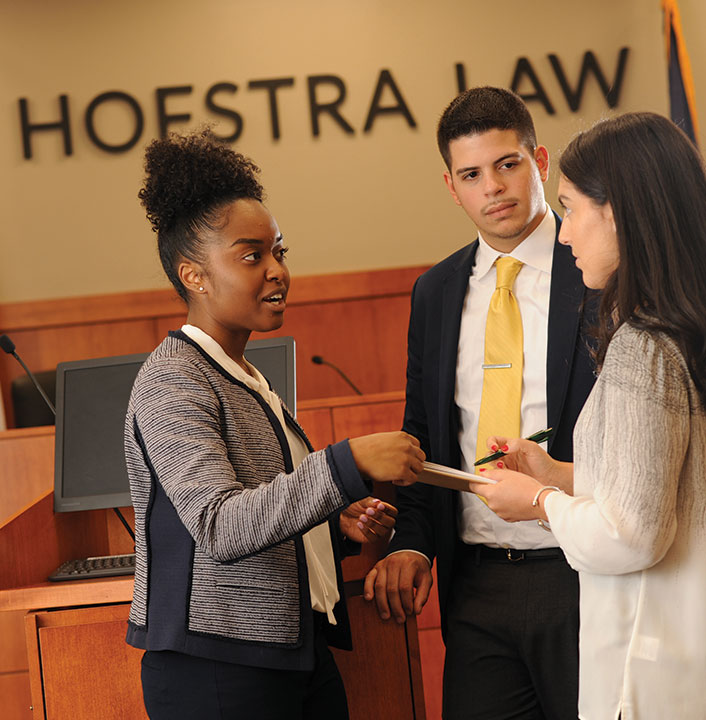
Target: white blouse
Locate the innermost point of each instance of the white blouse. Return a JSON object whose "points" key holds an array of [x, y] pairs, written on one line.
{"points": [[635, 530]]}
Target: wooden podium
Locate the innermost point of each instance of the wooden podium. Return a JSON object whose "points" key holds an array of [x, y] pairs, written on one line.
{"points": [[80, 667]]}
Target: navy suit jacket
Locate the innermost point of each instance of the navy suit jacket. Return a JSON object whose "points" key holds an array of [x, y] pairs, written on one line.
{"points": [[427, 518]]}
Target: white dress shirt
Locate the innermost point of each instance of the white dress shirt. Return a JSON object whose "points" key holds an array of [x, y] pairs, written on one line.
{"points": [[317, 541], [477, 523]]}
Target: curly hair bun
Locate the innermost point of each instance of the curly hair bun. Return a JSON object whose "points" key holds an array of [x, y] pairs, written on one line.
{"points": [[190, 175]]}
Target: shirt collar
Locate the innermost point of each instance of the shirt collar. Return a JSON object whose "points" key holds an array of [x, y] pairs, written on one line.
{"points": [[255, 381], [536, 250]]}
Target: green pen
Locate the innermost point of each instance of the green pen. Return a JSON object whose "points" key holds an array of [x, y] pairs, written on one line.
{"points": [[538, 437]]}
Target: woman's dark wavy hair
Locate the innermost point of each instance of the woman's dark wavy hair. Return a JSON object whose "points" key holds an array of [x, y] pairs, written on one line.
{"points": [[189, 179], [654, 179]]}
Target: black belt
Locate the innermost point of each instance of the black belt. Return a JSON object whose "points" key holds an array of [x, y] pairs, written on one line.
{"points": [[483, 553]]}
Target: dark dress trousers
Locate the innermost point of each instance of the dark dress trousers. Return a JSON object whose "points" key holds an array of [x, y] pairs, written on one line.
{"points": [[427, 519]]}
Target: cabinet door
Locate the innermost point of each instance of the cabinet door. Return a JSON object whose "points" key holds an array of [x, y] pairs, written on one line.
{"points": [[86, 668], [81, 668]]}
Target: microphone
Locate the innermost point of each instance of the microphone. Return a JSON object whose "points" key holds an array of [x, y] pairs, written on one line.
{"points": [[9, 347], [318, 360]]}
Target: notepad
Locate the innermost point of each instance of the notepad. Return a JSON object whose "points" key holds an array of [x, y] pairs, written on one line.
{"points": [[451, 478]]}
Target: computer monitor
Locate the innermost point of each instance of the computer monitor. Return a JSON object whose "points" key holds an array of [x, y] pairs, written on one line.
{"points": [[91, 403], [275, 358]]}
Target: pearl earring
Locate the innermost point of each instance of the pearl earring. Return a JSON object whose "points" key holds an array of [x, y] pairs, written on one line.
{"points": [[201, 288]]}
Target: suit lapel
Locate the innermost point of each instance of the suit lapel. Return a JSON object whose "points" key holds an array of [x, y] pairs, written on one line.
{"points": [[453, 295], [565, 300]]}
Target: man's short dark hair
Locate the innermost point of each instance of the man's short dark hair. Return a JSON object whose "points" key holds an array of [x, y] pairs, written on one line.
{"points": [[481, 109]]}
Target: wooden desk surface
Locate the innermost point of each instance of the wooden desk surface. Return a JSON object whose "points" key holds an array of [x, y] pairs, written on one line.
{"points": [[68, 593]]}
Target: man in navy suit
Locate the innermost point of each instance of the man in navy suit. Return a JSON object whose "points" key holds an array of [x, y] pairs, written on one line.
{"points": [[508, 598]]}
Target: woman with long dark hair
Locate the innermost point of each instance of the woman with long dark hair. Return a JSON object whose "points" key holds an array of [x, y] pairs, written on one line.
{"points": [[630, 512]]}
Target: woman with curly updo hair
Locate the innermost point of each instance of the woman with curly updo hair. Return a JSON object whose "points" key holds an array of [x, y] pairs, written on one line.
{"points": [[239, 524]]}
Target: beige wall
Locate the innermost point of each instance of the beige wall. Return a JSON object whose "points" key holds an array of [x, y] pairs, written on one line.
{"points": [[72, 225]]}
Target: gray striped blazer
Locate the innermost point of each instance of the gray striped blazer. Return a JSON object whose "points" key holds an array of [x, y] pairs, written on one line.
{"points": [[219, 513]]}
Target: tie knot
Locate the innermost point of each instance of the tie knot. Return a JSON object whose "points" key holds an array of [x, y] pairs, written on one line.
{"points": [[506, 268]]}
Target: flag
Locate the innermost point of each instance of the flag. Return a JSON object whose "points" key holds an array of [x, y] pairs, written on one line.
{"points": [[682, 107]]}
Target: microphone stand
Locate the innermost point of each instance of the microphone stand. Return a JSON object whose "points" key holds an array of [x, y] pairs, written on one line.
{"points": [[318, 360], [9, 347]]}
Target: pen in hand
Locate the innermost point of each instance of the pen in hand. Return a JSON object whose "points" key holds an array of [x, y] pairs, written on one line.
{"points": [[538, 437]]}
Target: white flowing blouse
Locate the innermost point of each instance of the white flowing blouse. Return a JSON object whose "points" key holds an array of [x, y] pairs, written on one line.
{"points": [[635, 530]]}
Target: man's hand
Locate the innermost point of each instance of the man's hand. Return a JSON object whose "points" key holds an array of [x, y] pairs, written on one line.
{"points": [[400, 584]]}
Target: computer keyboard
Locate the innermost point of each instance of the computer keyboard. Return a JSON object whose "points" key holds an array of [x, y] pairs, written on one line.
{"points": [[95, 567]]}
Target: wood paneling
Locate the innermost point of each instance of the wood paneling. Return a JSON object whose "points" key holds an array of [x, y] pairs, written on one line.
{"points": [[349, 417], [304, 290], [47, 539], [13, 653], [44, 348], [357, 321], [119, 541], [361, 419], [349, 401], [330, 419], [318, 426], [366, 339], [430, 616], [374, 689], [368, 418], [171, 322], [14, 677], [314, 289], [27, 462], [88, 310], [432, 651], [33, 542], [378, 414], [16, 696]]}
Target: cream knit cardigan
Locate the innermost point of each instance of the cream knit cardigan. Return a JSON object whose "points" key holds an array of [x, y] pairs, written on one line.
{"points": [[636, 532]]}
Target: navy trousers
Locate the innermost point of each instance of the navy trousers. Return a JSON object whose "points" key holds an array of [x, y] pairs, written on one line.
{"points": [[183, 687]]}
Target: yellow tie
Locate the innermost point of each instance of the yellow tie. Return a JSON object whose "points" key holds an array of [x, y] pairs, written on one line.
{"points": [[502, 369]]}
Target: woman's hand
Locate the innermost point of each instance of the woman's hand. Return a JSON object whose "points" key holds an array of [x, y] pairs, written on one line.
{"points": [[368, 520], [394, 457], [529, 458], [511, 497]]}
